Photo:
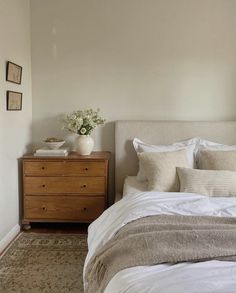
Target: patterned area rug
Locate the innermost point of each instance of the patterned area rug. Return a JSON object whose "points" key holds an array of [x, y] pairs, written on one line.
{"points": [[45, 263]]}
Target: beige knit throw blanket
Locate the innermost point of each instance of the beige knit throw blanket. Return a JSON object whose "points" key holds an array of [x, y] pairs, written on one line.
{"points": [[162, 239]]}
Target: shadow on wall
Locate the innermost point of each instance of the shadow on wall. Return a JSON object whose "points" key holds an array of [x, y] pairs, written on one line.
{"points": [[20, 189], [108, 144], [47, 127]]}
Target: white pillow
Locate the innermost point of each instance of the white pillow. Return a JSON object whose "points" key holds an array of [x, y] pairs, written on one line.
{"points": [[214, 146], [211, 146], [188, 145], [207, 143]]}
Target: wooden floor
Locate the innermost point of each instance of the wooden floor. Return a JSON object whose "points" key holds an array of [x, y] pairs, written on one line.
{"points": [[79, 228]]}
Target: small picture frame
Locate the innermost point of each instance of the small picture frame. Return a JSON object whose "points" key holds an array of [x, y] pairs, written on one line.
{"points": [[13, 72], [14, 101]]}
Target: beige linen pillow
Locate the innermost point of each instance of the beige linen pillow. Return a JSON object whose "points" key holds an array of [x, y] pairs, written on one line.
{"points": [[217, 160], [160, 169], [207, 182]]}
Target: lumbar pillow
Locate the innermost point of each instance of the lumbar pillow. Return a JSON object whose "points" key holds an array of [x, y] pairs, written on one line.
{"points": [[188, 145], [160, 169], [217, 160], [207, 182]]}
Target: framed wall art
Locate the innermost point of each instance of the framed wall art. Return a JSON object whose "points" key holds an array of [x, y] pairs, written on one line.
{"points": [[13, 72], [14, 101]]}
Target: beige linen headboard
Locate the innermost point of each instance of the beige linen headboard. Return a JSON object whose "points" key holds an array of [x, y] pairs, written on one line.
{"points": [[162, 132]]}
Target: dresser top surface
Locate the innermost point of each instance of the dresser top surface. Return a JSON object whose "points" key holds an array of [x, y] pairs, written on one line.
{"points": [[100, 155]]}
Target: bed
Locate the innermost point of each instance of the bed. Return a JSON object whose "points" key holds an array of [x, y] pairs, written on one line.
{"points": [[137, 204]]}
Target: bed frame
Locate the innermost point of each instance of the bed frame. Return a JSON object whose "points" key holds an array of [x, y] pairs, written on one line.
{"points": [[161, 132]]}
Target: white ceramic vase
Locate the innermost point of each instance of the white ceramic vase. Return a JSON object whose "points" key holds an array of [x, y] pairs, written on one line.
{"points": [[84, 145]]}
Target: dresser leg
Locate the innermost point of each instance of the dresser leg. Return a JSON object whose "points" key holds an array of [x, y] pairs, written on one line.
{"points": [[26, 227]]}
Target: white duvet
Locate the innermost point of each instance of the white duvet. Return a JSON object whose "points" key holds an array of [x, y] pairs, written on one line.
{"points": [[210, 276]]}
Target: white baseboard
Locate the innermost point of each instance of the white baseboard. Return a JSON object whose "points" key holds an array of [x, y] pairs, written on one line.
{"points": [[9, 237]]}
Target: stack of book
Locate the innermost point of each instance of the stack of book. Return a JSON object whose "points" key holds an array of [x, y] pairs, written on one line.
{"points": [[44, 152]]}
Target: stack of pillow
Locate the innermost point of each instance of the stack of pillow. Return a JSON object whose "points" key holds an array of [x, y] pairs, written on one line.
{"points": [[194, 165]]}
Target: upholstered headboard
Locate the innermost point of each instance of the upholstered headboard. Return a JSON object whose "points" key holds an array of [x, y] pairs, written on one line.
{"points": [[162, 132]]}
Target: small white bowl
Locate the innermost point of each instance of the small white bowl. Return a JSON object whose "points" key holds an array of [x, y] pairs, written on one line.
{"points": [[54, 145]]}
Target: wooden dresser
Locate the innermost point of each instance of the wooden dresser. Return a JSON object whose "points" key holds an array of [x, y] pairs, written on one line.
{"points": [[64, 189]]}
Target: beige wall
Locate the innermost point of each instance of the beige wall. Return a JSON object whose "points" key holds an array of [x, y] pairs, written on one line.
{"points": [[15, 126], [135, 59]]}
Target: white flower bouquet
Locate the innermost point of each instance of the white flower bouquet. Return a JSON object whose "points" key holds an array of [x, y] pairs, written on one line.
{"points": [[83, 122]]}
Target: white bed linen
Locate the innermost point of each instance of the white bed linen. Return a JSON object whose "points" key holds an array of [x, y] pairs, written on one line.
{"points": [[203, 277], [210, 276]]}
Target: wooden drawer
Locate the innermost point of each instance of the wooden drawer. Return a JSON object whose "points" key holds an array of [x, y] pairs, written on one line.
{"points": [[64, 168], [64, 185], [64, 189], [63, 207]]}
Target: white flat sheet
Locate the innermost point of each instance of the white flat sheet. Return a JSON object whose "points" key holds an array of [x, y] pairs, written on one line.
{"points": [[210, 276], [203, 277]]}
